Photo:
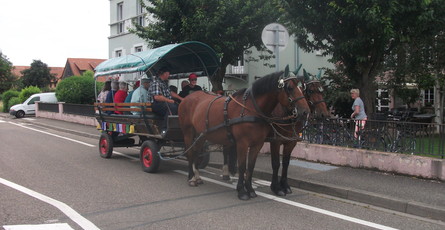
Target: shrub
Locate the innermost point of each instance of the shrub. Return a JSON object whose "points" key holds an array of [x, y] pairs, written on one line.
{"points": [[14, 101], [76, 90], [27, 92], [6, 96]]}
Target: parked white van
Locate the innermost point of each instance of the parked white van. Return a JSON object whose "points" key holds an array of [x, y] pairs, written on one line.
{"points": [[29, 107]]}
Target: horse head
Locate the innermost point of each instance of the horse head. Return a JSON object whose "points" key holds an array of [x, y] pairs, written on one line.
{"points": [[314, 94], [291, 94]]}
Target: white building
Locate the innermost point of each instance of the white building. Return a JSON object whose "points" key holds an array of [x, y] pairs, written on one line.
{"points": [[123, 13]]}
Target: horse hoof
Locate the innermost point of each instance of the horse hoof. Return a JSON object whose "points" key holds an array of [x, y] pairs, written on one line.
{"points": [[243, 196], [288, 191], [199, 181], [226, 177], [252, 194], [279, 193], [193, 184]]}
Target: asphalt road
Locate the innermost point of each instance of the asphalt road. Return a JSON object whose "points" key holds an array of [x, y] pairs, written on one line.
{"points": [[49, 177]]}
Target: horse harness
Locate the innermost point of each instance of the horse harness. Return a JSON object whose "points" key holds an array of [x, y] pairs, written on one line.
{"points": [[252, 119]]}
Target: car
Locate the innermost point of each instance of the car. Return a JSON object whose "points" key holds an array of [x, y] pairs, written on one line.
{"points": [[28, 107]]}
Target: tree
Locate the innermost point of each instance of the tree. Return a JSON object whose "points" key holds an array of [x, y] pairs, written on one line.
{"points": [[230, 27], [7, 79], [39, 74], [360, 34]]}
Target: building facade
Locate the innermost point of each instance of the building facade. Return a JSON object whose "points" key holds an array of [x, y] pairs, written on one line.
{"points": [[124, 13]]}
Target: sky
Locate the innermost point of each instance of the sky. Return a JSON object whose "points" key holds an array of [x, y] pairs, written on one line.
{"points": [[53, 30]]}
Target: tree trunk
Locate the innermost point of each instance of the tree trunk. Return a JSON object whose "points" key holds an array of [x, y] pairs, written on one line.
{"points": [[218, 78], [367, 93]]}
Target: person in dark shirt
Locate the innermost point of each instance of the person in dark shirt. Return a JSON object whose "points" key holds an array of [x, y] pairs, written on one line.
{"points": [[192, 87]]}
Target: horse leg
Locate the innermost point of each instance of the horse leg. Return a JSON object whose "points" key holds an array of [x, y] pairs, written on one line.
{"points": [[253, 154], [229, 153], [242, 158], [275, 160], [287, 150], [196, 179]]}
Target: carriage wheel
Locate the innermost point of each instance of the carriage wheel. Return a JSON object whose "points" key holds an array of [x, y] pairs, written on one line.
{"points": [[105, 145], [149, 156]]}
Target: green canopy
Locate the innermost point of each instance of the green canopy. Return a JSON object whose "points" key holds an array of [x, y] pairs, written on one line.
{"points": [[185, 57]]}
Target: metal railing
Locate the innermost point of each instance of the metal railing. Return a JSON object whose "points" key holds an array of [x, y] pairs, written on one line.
{"points": [[79, 109], [426, 139], [50, 107]]}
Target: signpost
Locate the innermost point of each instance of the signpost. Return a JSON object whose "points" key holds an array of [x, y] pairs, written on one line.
{"points": [[275, 37]]}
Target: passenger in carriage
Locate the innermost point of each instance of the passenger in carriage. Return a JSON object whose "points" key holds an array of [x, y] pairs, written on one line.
{"points": [[110, 95], [120, 96], [140, 95], [130, 94], [192, 87], [161, 97], [102, 97]]}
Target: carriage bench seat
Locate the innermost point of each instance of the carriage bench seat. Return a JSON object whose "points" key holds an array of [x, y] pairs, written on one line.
{"points": [[126, 108]]}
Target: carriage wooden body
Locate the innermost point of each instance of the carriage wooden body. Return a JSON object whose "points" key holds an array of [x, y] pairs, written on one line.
{"points": [[143, 130]]}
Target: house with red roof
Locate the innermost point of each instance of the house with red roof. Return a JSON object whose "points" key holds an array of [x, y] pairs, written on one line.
{"points": [[56, 71], [77, 66]]}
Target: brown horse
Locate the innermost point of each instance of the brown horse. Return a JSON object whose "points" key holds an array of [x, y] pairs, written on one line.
{"points": [[288, 133], [242, 119]]}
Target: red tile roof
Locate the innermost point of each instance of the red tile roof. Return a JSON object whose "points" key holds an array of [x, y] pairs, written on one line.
{"points": [[76, 66], [57, 71]]}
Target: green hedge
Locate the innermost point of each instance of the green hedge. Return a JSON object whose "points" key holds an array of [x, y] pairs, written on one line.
{"points": [[76, 90], [14, 101], [6, 96], [27, 92]]}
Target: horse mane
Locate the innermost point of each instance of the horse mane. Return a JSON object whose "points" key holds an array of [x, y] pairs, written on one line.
{"points": [[266, 84], [239, 92]]}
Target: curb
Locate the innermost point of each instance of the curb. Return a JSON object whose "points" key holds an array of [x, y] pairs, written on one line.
{"points": [[379, 200]]}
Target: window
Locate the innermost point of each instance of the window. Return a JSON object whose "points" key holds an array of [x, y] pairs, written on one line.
{"points": [[138, 49], [139, 13], [120, 17], [382, 100], [118, 53], [428, 97], [33, 101]]}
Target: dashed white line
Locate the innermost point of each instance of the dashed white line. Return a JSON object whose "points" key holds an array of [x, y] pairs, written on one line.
{"points": [[300, 205]]}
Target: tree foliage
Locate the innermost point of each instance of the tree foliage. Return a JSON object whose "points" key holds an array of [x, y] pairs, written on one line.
{"points": [[7, 79], [230, 27], [360, 34], [77, 89], [27, 92], [6, 97], [39, 74]]}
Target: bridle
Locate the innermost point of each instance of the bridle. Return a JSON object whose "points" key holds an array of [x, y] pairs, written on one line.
{"points": [[283, 83], [308, 92]]}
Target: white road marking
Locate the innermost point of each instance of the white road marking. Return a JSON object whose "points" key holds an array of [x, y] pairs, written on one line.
{"points": [[51, 134], [69, 212], [29, 119], [300, 205], [62, 226], [125, 155]]}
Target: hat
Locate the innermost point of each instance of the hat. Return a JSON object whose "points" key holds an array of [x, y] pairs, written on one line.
{"points": [[193, 76], [145, 80]]}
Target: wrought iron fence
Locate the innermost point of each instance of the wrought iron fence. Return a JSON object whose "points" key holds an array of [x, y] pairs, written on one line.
{"points": [[79, 109], [427, 139], [50, 107]]}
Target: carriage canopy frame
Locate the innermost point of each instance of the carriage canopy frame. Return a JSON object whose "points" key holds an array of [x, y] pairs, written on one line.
{"points": [[187, 57]]}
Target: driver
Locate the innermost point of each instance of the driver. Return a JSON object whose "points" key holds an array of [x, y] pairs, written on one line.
{"points": [[161, 97]]}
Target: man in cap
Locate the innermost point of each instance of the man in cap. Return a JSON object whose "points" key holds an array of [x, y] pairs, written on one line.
{"points": [[192, 87], [161, 97]]}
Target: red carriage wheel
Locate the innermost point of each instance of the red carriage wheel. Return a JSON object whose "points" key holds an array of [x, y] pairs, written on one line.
{"points": [[105, 145], [149, 156]]}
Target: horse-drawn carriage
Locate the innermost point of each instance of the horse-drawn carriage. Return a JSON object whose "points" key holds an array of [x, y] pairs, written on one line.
{"points": [[143, 129], [241, 122]]}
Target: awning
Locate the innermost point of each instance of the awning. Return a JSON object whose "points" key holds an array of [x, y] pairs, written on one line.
{"points": [[185, 57]]}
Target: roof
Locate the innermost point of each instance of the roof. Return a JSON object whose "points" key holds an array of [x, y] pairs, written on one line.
{"points": [[76, 66], [57, 71]]}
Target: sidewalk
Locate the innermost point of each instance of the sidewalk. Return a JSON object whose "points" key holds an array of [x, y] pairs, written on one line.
{"points": [[425, 198]]}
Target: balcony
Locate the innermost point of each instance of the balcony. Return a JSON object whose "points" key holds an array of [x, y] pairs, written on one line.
{"points": [[237, 72]]}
